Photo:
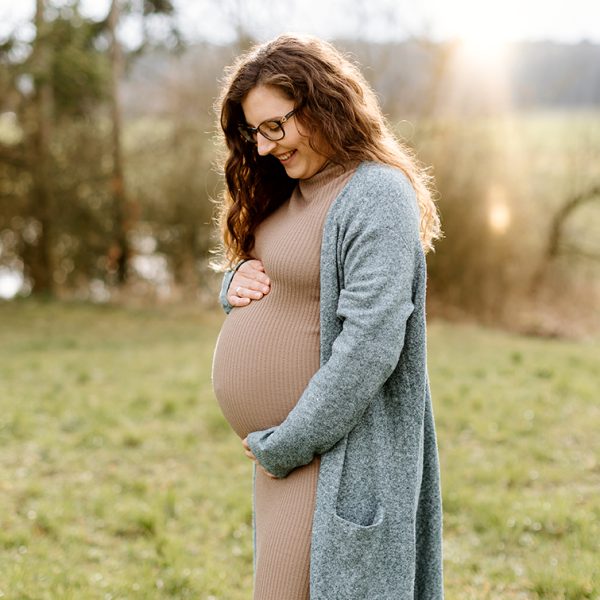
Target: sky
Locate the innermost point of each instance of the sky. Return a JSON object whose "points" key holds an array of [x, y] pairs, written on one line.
{"points": [[496, 22]]}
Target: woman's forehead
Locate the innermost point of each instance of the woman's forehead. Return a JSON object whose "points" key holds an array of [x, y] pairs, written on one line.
{"points": [[265, 102]]}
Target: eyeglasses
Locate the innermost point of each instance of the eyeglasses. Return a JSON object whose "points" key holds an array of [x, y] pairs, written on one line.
{"points": [[272, 129]]}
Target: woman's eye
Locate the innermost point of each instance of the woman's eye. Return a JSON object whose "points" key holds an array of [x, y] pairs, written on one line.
{"points": [[271, 125]]}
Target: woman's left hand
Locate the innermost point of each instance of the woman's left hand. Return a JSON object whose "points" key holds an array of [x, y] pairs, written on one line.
{"points": [[250, 455]]}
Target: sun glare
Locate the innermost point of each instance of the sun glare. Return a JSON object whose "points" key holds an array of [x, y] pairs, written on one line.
{"points": [[483, 31], [481, 57], [499, 218], [498, 211], [484, 50]]}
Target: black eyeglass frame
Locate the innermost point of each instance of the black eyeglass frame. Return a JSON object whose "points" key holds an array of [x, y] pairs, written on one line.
{"points": [[248, 133]]}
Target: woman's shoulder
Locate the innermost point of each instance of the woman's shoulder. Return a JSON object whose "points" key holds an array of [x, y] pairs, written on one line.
{"points": [[379, 188], [378, 175]]}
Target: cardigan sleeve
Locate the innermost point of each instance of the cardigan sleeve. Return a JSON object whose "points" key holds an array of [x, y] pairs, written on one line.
{"points": [[227, 277], [379, 247]]}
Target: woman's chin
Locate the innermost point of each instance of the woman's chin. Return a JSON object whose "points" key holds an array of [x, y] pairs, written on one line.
{"points": [[293, 171]]}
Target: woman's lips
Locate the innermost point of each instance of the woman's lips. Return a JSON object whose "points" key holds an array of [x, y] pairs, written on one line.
{"points": [[285, 158]]}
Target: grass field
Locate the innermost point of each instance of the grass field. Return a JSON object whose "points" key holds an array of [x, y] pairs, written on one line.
{"points": [[119, 477]]}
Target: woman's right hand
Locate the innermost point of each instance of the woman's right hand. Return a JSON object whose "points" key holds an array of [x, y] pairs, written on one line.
{"points": [[250, 282]]}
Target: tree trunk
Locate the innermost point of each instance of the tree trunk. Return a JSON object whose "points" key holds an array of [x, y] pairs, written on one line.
{"points": [[38, 250], [120, 251]]}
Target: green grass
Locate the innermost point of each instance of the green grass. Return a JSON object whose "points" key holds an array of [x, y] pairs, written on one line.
{"points": [[119, 477]]}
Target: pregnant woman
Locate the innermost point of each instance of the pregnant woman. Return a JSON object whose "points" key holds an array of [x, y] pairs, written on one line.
{"points": [[320, 366]]}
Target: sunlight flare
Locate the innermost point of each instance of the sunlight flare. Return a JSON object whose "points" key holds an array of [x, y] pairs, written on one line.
{"points": [[498, 212]]}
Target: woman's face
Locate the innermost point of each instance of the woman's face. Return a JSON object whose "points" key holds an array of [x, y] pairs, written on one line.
{"points": [[264, 103]]}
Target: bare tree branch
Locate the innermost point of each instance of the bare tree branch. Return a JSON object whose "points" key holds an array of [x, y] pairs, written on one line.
{"points": [[573, 250], [560, 218], [556, 245]]}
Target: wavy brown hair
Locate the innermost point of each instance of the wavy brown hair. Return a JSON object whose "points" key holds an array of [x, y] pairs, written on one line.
{"points": [[335, 103]]}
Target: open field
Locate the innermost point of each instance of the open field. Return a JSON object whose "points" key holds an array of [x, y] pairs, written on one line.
{"points": [[119, 477]]}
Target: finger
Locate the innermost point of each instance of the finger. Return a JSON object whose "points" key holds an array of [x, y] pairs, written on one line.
{"points": [[255, 280], [251, 289], [253, 269], [244, 293], [237, 301], [248, 452], [251, 265], [269, 474]]}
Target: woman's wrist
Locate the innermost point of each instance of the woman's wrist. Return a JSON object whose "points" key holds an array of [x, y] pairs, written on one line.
{"points": [[240, 264]]}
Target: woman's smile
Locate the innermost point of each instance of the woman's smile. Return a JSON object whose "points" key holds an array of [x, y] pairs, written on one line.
{"points": [[285, 158]]}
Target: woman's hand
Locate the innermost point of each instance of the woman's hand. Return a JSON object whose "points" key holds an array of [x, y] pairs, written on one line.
{"points": [[250, 282], [249, 454]]}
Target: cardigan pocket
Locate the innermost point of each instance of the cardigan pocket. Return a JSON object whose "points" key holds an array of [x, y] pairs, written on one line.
{"points": [[354, 557], [351, 526], [357, 500]]}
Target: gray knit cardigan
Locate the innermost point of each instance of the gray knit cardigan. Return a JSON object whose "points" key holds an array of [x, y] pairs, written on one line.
{"points": [[377, 526]]}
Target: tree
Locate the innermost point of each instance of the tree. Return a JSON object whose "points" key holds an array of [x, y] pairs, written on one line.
{"points": [[57, 85], [39, 124], [122, 214], [51, 78], [120, 249]]}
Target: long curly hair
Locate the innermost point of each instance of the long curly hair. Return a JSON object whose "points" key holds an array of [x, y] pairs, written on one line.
{"points": [[333, 101]]}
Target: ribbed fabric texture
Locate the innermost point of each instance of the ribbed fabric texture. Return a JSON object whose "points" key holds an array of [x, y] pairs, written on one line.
{"points": [[265, 356]]}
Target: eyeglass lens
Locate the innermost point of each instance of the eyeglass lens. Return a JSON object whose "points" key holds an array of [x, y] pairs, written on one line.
{"points": [[270, 129]]}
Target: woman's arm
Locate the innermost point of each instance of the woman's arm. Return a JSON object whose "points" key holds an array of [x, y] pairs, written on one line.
{"points": [[247, 281], [380, 252]]}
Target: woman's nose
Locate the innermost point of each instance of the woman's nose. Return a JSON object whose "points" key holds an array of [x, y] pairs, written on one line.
{"points": [[264, 145]]}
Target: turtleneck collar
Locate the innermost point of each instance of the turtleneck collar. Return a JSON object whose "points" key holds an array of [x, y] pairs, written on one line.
{"points": [[330, 171]]}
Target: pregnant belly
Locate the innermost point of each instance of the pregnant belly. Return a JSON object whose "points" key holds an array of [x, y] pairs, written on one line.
{"points": [[264, 358]]}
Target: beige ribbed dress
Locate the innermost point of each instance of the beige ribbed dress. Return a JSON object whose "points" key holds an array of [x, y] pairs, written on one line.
{"points": [[265, 356]]}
